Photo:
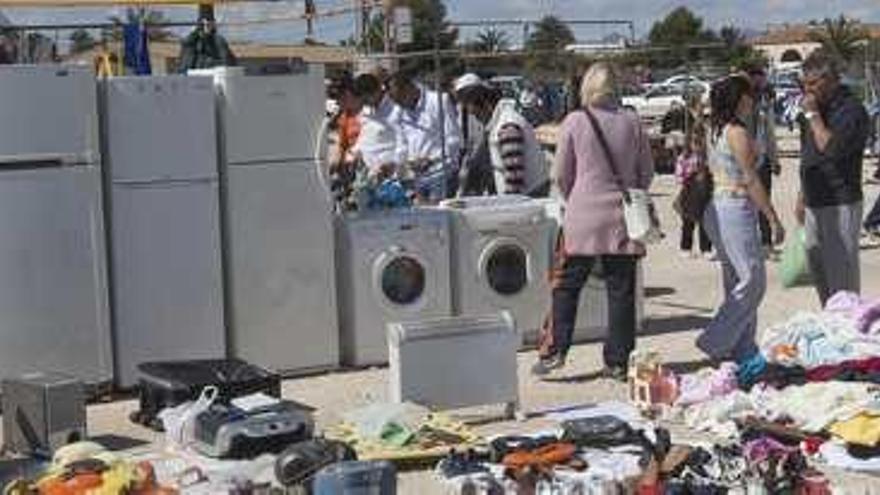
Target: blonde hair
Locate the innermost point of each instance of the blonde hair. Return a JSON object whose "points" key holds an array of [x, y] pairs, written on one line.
{"points": [[599, 82]]}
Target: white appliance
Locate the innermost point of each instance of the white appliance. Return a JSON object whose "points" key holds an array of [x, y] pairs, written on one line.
{"points": [[434, 362], [501, 258], [277, 220], [161, 171], [393, 267], [53, 274]]}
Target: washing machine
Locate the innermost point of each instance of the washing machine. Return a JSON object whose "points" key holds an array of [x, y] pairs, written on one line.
{"points": [[501, 254], [592, 317], [394, 266]]}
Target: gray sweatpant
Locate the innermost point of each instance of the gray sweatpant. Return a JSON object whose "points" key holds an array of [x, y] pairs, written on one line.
{"points": [[832, 234]]}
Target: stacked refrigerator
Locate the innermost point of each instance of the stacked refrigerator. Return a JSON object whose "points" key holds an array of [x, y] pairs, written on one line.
{"points": [[53, 285], [278, 221], [162, 178]]}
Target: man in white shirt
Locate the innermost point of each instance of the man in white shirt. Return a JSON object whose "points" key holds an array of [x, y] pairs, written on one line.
{"points": [[379, 142], [430, 137]]}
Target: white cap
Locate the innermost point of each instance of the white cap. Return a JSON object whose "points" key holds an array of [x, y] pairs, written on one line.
{"points": [[468, 80]]}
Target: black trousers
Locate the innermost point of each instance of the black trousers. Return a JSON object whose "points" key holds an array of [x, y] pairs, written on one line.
{"points": [[619, 273], [687, 236], [872, 220], [765, 174]]}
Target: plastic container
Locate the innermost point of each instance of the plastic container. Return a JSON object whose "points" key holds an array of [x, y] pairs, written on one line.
{"points": [[356, 478]]}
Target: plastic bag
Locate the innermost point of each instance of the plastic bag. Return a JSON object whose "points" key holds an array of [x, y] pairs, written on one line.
{"points": [[794, 270], [179, 421]]}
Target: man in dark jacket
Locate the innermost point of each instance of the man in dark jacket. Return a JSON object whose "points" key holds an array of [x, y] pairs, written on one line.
{"points": [[204, 48], [834, 130]]}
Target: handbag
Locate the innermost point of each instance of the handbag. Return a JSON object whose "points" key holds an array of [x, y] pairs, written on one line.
{"points": [[598, 432], [639, 213], [694, 197]]}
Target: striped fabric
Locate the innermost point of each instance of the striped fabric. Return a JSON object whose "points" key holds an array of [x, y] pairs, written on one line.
{"points": [[512, 146]]}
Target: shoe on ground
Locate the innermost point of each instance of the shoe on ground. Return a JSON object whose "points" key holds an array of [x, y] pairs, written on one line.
{"points": [[685, 254], [873, 232], [616, 373], [710, 256], [548, 365]]}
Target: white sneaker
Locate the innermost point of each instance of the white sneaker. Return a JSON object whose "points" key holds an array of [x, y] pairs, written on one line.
{"points": [[710, 256], [685, 254]]}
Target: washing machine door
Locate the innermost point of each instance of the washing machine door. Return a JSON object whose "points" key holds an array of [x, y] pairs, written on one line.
{"points": [[505, 266], [400, 279]]}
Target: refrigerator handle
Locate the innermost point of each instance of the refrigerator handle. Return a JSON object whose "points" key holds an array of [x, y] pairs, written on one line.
{"points": [[321, 156]]}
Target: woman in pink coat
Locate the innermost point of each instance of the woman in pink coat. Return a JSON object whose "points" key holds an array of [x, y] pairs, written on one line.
{"points": [[594, 231]]}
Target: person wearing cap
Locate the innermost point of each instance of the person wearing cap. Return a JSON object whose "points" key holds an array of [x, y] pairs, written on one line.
{"points": [[430, 137], [204, 48], [514, 153], [475, 176]]}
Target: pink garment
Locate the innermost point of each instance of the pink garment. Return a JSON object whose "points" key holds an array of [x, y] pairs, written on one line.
{"points": [[686, 165], [864, 312], [707, 384], [594, 223]]}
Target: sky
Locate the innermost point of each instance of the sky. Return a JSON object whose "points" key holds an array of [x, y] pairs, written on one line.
{"points": [[748, 14]]}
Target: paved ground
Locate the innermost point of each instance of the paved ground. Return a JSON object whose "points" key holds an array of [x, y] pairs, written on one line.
{"points": [[681, 295]]}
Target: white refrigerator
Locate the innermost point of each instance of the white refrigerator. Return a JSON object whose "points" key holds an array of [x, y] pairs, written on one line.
{"points": [[53, 277], [278, 223], [166, 264]]}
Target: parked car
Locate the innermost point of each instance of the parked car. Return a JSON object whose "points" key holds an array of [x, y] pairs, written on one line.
{"points": [[656, 102]]}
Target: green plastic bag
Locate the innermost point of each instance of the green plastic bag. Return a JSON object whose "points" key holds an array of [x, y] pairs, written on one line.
{"points": [[793, 269]]}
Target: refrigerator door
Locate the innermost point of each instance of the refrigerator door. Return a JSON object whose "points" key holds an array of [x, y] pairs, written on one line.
{"points": [[160, 128], [280, 267], [49, 113], [271, 118], [53, 286], [167, 279]]}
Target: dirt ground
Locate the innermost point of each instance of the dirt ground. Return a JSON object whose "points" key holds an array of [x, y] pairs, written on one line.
{"points": [[681, 295]]}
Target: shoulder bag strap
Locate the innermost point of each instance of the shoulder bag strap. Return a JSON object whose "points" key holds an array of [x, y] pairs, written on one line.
{"points": [[597, 129]]}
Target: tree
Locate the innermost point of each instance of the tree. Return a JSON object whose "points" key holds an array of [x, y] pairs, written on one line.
{"points": [[840, 37], [678, 31], [492, 41], [735, 51], [153, 19], [81, 40], [546, 46]]}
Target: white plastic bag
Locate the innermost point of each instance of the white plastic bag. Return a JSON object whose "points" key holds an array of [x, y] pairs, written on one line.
{"points": [[179, 421], [641, 220]]}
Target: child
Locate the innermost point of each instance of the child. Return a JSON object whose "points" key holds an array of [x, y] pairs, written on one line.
{"points": [[688, 164]]}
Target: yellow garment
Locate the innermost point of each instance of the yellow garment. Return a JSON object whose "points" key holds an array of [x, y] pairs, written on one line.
{"points": [[863, 429]]}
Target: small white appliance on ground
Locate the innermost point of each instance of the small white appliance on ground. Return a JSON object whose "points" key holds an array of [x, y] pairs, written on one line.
{"points": [[161, 170], [393, 267], [452, 363], [501, 255], [53, 273], [277, 220]]}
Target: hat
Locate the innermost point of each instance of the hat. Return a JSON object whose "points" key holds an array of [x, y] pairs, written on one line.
{"points": [[469, 80]]}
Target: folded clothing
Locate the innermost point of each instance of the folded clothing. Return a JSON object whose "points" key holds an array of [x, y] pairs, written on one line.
{"points": [[862, 430]]}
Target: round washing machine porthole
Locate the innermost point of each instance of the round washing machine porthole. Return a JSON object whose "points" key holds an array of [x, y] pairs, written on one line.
{"points": [[504, 266], [401, 279]]}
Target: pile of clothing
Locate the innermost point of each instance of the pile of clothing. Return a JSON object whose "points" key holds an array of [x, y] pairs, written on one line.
{"points": [[610, 449], [818, 375]]}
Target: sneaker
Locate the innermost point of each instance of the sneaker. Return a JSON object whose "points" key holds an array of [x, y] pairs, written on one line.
{"points": [[547, 365], [710, 256], [616, 373], [685, 254], [873, 232]]}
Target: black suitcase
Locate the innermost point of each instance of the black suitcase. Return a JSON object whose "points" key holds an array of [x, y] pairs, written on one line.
{"points": [[171, 383]]}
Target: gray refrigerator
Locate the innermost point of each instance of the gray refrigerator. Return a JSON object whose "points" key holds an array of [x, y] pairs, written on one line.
{"points": [[166, 267], [53, 277], [278, 221]]}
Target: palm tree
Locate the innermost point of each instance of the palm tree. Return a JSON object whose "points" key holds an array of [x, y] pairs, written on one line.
{"points": [[840, 37], [492, 41], [547, 45], [153, 19]]}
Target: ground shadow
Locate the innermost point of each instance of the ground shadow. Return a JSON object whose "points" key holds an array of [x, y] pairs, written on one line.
{"points": [[583, 378], [651, 292], [117, 443], [672, 324]]}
